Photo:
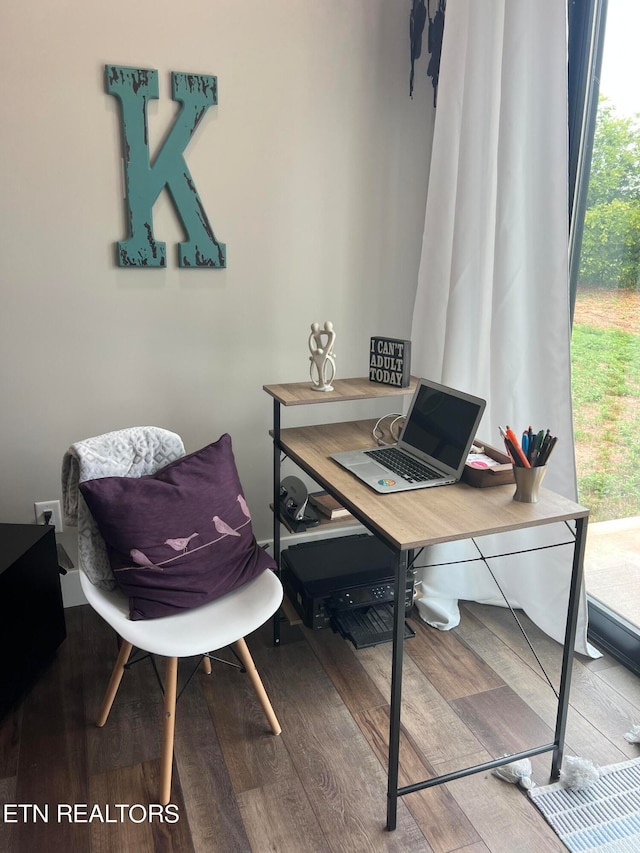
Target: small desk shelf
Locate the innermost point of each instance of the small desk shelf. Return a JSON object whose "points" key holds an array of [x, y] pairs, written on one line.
{"points": [[302, 394]]}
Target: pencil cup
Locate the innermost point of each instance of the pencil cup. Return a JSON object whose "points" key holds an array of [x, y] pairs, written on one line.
{"points": [[528, 482]]}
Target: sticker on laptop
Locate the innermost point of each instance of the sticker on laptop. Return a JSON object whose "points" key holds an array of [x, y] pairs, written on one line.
{"points": [[386, 482]]}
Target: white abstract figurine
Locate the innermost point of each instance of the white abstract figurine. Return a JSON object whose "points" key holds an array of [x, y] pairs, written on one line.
{"points": [[323, 365]]}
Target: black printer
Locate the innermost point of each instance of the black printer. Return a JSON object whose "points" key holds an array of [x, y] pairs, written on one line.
{"points": [[346, 583]]}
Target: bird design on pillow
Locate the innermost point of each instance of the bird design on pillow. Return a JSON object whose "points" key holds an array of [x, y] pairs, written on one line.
{"points": [[142, 560], [222, 527], [181, 543], [243, 506]]}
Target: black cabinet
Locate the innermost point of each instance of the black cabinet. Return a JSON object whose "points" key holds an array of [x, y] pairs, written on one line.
{"points": [[32, 622]]}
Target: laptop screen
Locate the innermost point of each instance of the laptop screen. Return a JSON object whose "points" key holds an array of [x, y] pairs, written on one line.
{"points": [[442, 424]]}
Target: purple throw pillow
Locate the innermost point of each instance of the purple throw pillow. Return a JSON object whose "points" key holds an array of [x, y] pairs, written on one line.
{"points": [[181, 537]]}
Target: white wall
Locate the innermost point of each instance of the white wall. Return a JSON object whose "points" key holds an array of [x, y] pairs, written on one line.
{"points": [[312, 169]]}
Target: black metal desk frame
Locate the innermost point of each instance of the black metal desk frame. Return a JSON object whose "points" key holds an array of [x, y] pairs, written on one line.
{"points": [[404, 559]]}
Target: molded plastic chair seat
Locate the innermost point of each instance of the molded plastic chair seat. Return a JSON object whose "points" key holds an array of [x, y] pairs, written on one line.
{"points": [[193, 632], [221, 623]]}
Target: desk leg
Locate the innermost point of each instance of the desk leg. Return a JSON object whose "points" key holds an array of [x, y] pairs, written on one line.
{"points": [[276, 510], [569, 644], [396, 688]]}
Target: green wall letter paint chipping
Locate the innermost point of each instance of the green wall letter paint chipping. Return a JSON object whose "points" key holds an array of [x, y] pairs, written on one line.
{"points": [[144, 182]]}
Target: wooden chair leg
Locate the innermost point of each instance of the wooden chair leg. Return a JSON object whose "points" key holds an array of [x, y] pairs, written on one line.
{"points": [[247, 661], [114, 682], [168, 729], [206, 665]]}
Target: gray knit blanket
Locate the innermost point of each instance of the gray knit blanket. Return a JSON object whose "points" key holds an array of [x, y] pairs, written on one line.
{"points": [[131, 452]]}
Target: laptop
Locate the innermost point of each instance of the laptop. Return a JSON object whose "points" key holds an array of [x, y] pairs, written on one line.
{"points": [[437, 435]]}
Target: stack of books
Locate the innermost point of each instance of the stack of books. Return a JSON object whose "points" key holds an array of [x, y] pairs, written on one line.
{"points": [[327, 506]]}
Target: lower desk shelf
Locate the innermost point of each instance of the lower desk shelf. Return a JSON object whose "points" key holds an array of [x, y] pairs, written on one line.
{"points": [[324, 526]]}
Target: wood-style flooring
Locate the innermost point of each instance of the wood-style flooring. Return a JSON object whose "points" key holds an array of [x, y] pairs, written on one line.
{"points": [[320, 787]]}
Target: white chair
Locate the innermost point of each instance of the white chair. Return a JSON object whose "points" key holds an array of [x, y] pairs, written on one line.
{"points": [[205, 629], [134, 452]]}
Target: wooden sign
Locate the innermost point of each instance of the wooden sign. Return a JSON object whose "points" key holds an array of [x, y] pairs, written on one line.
{"points": [[144, 180], [390, 361]]}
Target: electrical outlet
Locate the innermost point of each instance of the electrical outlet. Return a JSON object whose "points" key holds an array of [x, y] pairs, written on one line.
{"points": [[49, 506]]}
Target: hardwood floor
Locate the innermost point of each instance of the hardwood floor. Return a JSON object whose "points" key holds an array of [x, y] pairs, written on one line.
{"points": [[468, 695]]}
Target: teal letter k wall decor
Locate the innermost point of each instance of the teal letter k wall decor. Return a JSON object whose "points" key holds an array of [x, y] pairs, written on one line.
{"points": [[144, 182]]}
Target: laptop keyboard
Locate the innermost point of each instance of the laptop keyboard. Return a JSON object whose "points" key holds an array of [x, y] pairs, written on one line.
{"points": [[402, 465]]}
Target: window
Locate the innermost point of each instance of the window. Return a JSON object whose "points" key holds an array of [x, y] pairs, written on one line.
{"points": [[605, 274]]}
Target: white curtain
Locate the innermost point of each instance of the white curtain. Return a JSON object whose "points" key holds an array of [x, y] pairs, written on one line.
{"points": [[492, 306]]}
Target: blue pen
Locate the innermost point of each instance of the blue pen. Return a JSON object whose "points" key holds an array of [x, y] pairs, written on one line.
{"points": [[524, 444]]}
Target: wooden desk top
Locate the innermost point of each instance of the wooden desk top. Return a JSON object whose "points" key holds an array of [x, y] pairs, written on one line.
{"points": [[302, 394], [424, 516]]}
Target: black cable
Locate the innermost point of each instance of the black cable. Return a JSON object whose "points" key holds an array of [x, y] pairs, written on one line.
{"points": [[518, 623]]}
